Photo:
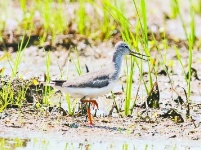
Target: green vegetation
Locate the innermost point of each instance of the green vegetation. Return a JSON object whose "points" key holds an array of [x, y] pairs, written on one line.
{"points": [[96, 20], [15, 62], [47, 79], [174, 8], [76, 62]]}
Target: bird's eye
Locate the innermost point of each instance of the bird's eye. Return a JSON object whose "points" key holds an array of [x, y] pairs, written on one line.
{"points": [[126, 46]]}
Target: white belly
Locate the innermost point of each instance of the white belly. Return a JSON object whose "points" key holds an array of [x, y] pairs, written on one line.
{"points": [[87, 92]]}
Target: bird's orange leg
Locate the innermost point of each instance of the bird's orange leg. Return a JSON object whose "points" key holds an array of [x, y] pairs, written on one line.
{"points": [[89, 116], [91, 101], [88, 109]]}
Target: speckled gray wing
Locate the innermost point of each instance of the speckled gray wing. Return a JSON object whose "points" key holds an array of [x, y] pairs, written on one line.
{"points": [[92, 80], [98, 82]]}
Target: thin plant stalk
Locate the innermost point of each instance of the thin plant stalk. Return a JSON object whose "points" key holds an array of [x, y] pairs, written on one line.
{"points": [[190, 57], [144, 40], [145, 37], [181, 18], [174, 10], [192, 23], [19, 55], [68, 101], [47, 88], [77, 63]]}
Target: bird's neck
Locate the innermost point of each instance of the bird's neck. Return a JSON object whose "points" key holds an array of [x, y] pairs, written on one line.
{"points": [[117, 61]]}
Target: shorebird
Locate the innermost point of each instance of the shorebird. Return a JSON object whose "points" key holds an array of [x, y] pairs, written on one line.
{"points": [[94, 84]]}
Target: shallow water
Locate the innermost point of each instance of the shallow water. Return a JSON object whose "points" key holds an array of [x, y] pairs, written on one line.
{"points": [[52, 144]]}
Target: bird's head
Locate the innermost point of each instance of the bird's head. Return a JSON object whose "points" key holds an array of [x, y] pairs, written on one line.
{"points": [[124, 49]]}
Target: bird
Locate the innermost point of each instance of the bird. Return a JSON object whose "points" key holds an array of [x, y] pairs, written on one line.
{"points": [[97, 83]]}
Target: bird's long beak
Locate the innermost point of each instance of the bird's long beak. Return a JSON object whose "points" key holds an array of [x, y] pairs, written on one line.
{"points": [[138, 55]]}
